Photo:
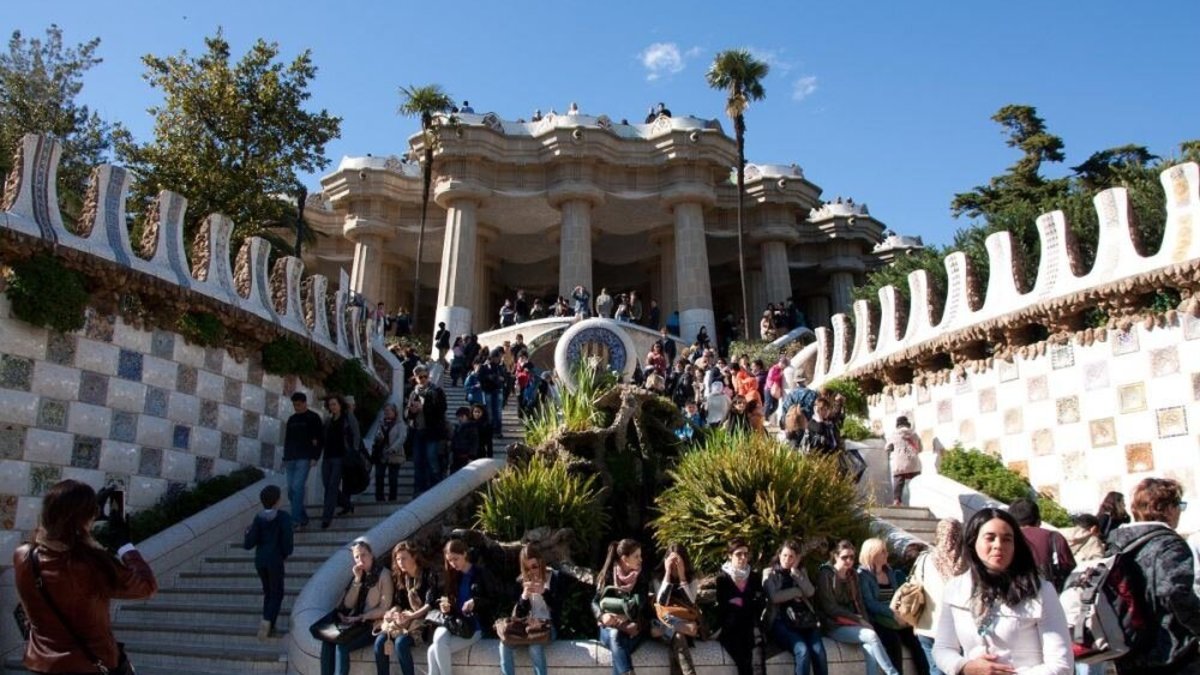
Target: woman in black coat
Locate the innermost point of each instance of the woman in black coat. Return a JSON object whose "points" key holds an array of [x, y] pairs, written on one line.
{"points": [[740, 603]]}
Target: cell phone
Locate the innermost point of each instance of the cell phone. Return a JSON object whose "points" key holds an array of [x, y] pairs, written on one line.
{"points": [[116, 504]]}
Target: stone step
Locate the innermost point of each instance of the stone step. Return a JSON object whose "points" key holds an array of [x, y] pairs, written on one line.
{"points": [[242, 633], [203, 658], [245, 566], [236, 583], [907, 512], [198, 612]]}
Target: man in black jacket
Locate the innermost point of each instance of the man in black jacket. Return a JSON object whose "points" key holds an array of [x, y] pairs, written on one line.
{"points": [[492, 381], [301, 450], [426, 416]]}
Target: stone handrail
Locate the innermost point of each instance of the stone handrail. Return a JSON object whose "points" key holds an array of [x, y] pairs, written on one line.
{"points": [[972, 318], [249, 289]]}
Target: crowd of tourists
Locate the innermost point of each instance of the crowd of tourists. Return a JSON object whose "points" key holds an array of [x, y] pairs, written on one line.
{"points": [[990, 600]]}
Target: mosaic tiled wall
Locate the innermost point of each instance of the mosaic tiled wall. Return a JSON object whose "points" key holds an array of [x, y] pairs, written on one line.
{"points": [[1079, 420], [118, 403]]}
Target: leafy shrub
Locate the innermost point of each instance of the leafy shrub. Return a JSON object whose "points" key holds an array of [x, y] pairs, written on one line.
{"points": [[201, 328], [542, 494], [856, 429], [578, 411], [285, 356], [177, 505], [761, 490], [421, 343], [988, 474], [856, 401], [45, 293]]}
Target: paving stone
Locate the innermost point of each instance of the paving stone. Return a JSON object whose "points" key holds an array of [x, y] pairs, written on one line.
{"points": [[16, 372], [124, 427], [60, 349], [52, 414], [93, 388], [129, 365], [150, 462], [86, 453], [156, 402]]}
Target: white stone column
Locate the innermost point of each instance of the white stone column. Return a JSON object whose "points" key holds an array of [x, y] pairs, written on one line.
{"points": [[456, 287], [777, 280], [575, 247], [366, 273], [758, 301], [692, 286], [480, 318], [841, 286], [668, 301]]}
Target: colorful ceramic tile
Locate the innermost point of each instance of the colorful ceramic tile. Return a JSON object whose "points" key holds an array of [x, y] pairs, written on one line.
{"points": [[1038, 388], [52, 415], [1013, 421], [1007, 370], [1109, 484], [1066, 410], [12, 441], [181, 437], [945, 411], [99, 326], [129, 365], [250, 424], [992, 447], [85, 454], [1062, 356], [254, 373], [162, 344], [150, 463], [93, 388], [1164, 361], [266, 456], [1191, 326], [962, 383], [16, 372], [1103, 432], [272, 405], [209, 414], [1095, 376], [124, 426], [233, 392], [1050, 491], [42, 477], [185, 380], [1075, 465], [987, 400], [1131, 397], [1172, 421], [8, 512], [229, 446], [214, 359], [1043, 442], [204, 468], [1124, 341], [60, 348], [156, 402], [1021, 467], [1139, 457]]}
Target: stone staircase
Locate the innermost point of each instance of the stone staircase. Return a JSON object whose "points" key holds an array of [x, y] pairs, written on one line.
{"points": [[918, 521], [205, 616]]}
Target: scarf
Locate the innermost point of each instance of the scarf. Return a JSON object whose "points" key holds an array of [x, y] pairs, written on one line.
{"points": [[739, 576], [624, 580], [947, 549]]}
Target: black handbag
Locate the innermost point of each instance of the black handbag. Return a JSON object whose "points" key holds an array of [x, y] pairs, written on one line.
{"points": [[457, 624], [329, 629], [124, 667]]}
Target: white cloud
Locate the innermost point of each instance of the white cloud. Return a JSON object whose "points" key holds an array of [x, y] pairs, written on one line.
{"points": [[662, 58], [803, 87], [774, 58]]}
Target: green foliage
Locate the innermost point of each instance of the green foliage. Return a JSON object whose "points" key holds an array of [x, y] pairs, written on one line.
{"points": [[578, 411], [856, 429], [542, 494], [230, 136], [285, 356], [988, 474], [760, 350], [201, 328], [45, 293], [1053, 512], [40, 80], [757, 488], [896, 275], [856, 400], [175, 506], [349, 379]]}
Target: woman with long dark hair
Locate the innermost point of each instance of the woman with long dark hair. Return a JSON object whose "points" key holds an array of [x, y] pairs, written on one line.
{"points": [[1001, 616], [677, 618], [791, 619], [622, 603], [1112, 513], [341, 438], [539, 604], [468, 591], [80, 578], [414, 594]]}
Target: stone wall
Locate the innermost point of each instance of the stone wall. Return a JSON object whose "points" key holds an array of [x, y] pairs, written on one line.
{"points": [[1078, 418]]}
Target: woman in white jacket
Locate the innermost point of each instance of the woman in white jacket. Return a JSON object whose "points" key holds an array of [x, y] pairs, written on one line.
{"points": [[1000, 617]]}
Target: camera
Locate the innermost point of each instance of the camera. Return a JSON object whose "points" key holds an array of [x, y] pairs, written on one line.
{"points": [[110, 504]]}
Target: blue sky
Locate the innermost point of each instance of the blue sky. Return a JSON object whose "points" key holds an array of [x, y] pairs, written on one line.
{"points": [[888, 103]]}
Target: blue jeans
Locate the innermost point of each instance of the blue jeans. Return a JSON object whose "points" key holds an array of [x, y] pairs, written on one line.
{"points": [[426, 465], [806, 647], [622, 647], [537, 654], [296, 472], [927, 647], [335, 659], [874, 655], [495, 403], [402, 647], [331, 478]]}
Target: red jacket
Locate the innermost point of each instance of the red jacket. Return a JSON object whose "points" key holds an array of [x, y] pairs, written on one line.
{"points": [[82, 592]]}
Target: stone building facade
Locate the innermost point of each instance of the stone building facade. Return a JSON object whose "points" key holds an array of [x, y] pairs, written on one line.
{"points": [[580, 200]]}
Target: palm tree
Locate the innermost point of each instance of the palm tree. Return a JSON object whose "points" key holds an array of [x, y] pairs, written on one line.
{"points": [[740, 75], [424, 103]]}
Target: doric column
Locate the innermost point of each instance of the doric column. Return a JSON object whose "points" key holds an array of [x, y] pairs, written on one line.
{"points": [[692, 285], [841, 285], [758, 301], [818, 311], [366, 272], [575, 246], [777, 280]]}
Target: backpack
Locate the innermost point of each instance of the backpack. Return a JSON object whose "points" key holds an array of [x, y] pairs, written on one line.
{"points": [[529, 394], [1105, 610]]}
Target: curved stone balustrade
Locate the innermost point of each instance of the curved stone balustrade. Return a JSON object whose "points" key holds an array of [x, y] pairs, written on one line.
{"points": [[1062, 289], [272, 296]]}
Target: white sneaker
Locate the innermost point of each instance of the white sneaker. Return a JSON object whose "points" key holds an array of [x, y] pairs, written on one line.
{"points": [[264, 629]]}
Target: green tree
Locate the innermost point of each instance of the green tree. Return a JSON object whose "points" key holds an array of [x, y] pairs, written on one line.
{"points": [[740, 76], [426, 104], [39, 82], [231, 137]]}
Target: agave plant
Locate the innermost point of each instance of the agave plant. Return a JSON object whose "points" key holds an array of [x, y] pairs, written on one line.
{"points": [[543, 493], [761, 490]]}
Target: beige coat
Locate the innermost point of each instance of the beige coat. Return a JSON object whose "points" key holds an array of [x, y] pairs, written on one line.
{"points": [[903, 445]]}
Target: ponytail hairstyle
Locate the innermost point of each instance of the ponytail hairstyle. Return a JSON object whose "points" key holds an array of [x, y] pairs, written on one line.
{"points": [[451, 575], [616, 550]]}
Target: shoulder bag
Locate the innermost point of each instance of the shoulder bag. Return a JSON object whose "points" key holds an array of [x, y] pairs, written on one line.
{"points": [[457, 624], [908, 603], [124, 667], [332, 629]]}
